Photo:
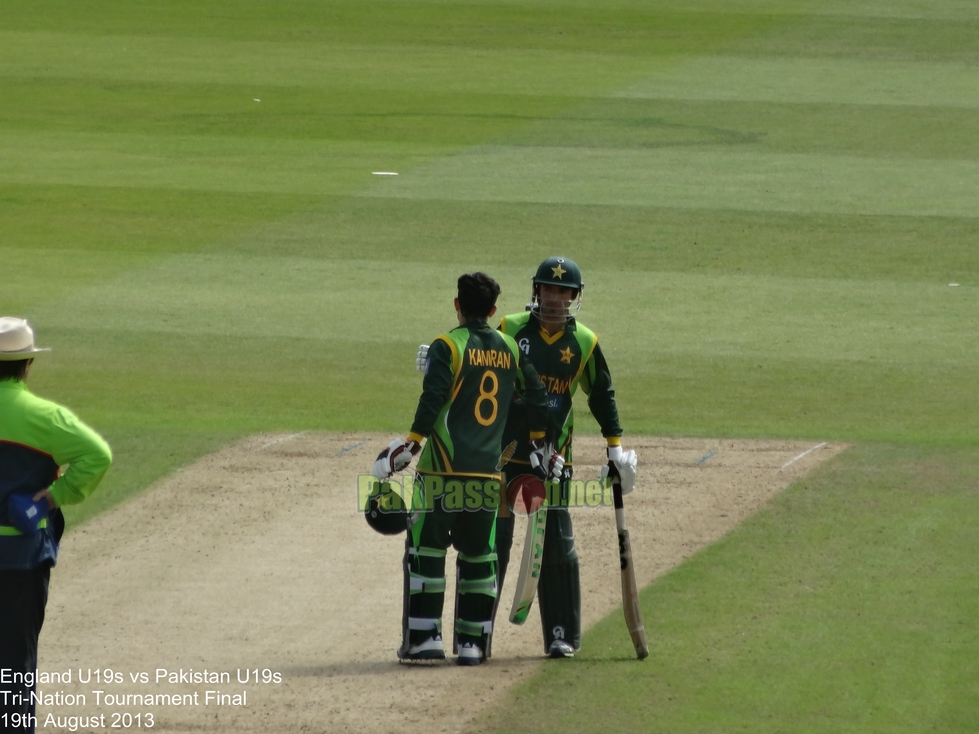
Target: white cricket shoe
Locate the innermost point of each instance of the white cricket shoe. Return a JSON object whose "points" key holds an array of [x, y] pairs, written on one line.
{"points": [[560, 649], [470, 654], [430, 649]]}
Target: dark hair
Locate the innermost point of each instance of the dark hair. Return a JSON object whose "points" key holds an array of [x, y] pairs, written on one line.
{"points": [[477, 295], [16, 370]]}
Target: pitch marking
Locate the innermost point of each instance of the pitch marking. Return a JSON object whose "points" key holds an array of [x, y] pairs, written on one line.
{"points": [[708, 457], [804, 453], [351, 448]]}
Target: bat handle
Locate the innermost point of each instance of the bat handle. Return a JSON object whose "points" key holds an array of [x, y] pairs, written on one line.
{"points": [[613, 474]]}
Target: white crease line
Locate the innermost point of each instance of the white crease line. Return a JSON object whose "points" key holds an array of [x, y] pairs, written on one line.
{"points": [[804, 453], [284, 438]]}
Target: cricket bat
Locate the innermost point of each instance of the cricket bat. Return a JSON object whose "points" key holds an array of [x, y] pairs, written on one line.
{"points": [[630, 591]]}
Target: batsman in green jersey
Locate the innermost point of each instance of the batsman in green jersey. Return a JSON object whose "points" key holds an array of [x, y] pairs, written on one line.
{"points": [[567, 357], [472, 375]]}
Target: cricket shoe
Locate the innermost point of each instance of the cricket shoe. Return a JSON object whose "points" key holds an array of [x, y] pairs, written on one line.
{"points": [[560, 649], [430, 649], [470, 654]]}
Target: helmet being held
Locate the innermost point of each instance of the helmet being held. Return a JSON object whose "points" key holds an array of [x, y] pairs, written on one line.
{"points": [[563, 272], [385, 511], [387, 520]]}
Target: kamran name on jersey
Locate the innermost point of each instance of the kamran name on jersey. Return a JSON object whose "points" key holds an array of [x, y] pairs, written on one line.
{"points": [[555, 385], [490, 358]]}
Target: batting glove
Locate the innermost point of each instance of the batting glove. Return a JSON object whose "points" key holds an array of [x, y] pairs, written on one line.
{"points": [[421, 359], [622, 466], [545, 462], [394, 458]]}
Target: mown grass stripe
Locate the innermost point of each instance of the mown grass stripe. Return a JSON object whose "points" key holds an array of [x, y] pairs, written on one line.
{"points": [[742, 179], [807, 80], [203, 163], [723, 315], [435, 69]]}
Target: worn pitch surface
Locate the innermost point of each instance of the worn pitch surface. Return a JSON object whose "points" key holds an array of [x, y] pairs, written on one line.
{"points": [[255, 560]]}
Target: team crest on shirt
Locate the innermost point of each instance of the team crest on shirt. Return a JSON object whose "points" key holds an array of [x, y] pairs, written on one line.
{"points": [[566, 355]]}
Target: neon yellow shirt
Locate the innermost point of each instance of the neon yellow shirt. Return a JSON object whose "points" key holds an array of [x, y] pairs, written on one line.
{"points": [[39, 438]]}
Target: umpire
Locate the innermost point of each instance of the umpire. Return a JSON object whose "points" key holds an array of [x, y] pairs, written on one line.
{"points": [[38, 439]]}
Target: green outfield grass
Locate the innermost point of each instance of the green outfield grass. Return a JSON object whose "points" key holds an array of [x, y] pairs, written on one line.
{"points": [[770, 201]]}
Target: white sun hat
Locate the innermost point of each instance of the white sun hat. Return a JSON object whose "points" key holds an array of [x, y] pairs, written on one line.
{"points": [[16, 340]]}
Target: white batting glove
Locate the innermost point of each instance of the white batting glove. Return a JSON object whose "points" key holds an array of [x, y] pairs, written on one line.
{"points": [[545, 462], [623, 463], [394, 458], [421, 359]]}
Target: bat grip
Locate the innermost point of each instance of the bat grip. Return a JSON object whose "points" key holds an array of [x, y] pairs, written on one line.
{"points": [[616, 486]]}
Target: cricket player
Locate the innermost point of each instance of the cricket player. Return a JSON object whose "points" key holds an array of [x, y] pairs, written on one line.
{"points": [[37, 440], [472, 375], [566, 356]]}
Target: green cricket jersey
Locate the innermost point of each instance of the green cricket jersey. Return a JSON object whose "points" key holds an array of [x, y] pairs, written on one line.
{"points": [[473, 374], [565, 361]]}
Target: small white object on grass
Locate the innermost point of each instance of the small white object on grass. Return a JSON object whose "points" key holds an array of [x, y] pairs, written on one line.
{"points": [[256, 100], [384, 173], [953, 285]]}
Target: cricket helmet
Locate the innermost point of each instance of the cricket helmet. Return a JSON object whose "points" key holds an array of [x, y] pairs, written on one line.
{"points": [[386, 517], [559, 271], [563, 272]]}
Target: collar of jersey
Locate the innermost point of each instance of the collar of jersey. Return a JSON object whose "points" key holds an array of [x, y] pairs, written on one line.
{"points": [[474, 325], [550, 338]]}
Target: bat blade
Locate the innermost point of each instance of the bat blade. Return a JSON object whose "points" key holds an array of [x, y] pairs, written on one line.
{"points": [[527, 578], [630, 597], [630, 590]]}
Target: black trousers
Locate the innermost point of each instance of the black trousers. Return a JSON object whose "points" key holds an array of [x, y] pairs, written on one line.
{"points": [[23, 596]]}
